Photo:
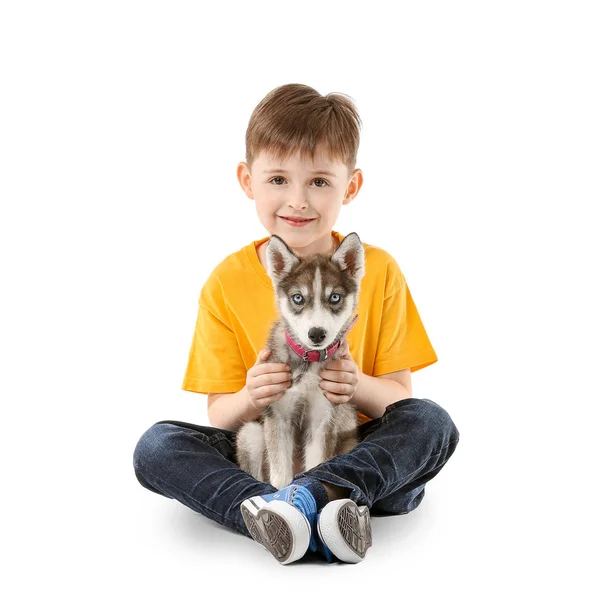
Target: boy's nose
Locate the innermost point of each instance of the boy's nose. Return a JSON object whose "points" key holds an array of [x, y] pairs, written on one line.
{"points": [[299, 201], [316, 334]]}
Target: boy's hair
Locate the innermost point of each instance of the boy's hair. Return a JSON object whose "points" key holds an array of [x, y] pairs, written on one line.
{"points": [[296, 117]]}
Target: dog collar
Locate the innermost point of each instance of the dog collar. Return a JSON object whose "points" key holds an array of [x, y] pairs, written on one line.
{"points": [[316, 355]]}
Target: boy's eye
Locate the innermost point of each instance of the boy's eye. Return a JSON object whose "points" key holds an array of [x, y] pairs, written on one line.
{"points": [[274, 179], [335, 298], [298, 299]]}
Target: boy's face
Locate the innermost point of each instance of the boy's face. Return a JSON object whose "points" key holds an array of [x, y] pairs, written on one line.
{"points": [[295, 188]]}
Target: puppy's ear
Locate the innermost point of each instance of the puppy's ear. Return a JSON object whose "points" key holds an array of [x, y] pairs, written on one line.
{"points": [[280, 259], [350, 256]]}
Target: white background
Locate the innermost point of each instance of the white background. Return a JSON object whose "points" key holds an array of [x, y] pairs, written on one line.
{"points": [[121, 126]]}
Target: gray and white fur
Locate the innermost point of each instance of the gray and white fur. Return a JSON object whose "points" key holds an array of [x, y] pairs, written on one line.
{"points": [[316, 297]]}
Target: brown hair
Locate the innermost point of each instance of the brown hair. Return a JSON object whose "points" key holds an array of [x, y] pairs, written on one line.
{"points": [[296, 117]]}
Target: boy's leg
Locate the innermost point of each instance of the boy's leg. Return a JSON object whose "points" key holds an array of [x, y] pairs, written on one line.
{"points": [[194, 464], [397, 454]]}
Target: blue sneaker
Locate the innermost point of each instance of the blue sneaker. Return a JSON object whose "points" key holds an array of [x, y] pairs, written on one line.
{"points": [[343, 531], [282, 522]]}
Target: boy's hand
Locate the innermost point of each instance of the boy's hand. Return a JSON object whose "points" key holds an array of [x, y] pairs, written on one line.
{"points": [[267, 382], [340, 378]]}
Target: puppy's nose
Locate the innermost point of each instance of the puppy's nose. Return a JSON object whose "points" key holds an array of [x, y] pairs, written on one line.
{"points": [[316, 334]]}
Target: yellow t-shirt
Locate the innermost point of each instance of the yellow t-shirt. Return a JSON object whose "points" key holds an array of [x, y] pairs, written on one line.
{"points": [[237, 309]]}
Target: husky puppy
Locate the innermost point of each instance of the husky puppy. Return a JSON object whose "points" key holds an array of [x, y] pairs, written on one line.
{"points": [[315, 297]]}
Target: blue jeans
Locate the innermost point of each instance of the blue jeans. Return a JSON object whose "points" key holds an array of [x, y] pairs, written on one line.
{"points": [[387, 471]]}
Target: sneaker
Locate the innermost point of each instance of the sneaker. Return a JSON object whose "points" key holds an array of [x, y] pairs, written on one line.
{"points": [[344, 531], [282, 522]]}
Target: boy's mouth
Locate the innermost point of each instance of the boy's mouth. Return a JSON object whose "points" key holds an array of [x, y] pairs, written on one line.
{"points": [[295, 219], [297, 222]]}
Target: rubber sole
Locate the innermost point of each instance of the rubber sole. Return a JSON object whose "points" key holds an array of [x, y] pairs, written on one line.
{"points": [[281, 528], [346, 529]]}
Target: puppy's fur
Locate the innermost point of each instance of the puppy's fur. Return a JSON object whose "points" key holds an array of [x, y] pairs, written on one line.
{"points": [[316, 298]]}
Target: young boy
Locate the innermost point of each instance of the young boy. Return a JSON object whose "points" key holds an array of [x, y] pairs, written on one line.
{"points": [[301, 151]]}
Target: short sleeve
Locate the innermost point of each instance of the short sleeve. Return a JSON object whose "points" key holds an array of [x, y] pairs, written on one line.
{"points": [[215, 363], [403, 342]]}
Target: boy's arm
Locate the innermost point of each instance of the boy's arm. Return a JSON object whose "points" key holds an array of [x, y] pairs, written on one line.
{"points": [[230, 411], [402, 377], [374, 394]]}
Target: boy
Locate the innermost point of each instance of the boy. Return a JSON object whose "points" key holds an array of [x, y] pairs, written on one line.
{"points": [[301, 151]]}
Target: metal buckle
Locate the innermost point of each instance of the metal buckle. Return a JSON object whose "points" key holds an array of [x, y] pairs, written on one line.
{"points": [[304, 356]]}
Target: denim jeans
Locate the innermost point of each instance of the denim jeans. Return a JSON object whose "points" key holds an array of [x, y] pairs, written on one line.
{"points": [[387, 471]]}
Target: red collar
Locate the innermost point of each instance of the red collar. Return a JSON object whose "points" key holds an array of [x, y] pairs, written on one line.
{"points": [[317, 355]]}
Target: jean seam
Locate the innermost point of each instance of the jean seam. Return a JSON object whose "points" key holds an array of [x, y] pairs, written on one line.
{"points": [[214, 439], [219, 439], [207, 509], [210, 439]]}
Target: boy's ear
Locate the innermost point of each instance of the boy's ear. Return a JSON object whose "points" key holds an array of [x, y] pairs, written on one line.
{"points": [[350, 257], [244, 178], [279, 258]]}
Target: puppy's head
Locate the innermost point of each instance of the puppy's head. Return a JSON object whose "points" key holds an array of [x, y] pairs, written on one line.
{"points": [[316, 295]]}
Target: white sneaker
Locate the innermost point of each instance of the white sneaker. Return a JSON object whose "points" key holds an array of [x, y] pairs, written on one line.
{"points": [[282, 522], [345, 530]]}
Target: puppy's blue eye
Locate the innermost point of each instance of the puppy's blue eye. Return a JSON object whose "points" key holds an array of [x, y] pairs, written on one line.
{"points": [[298, 299], [335, 298]]}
